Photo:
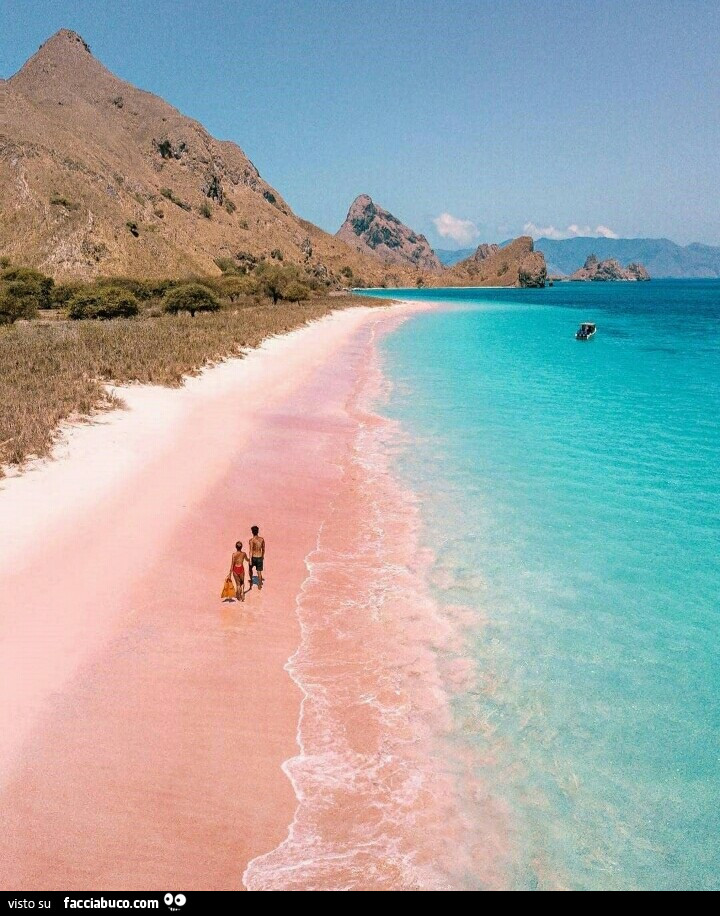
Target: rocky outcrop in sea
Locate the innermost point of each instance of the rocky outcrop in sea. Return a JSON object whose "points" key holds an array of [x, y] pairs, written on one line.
{"points": [[608, 270]]}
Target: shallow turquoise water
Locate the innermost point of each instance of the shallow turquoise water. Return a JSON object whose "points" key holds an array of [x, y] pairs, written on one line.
{"points": [[572, 495]]}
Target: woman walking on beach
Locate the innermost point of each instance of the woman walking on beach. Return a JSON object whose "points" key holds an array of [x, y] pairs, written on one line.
{"points": [[237, 570]]}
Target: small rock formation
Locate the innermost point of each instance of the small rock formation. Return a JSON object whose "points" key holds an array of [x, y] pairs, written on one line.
{"points": [[608, 270], [166, 148], [213, 188], [372, 230]]}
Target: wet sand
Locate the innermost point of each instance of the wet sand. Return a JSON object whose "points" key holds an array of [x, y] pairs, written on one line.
{"points": [[144, 722]]}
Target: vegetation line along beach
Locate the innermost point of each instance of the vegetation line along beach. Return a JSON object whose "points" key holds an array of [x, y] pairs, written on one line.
{"points": [[53, 368]]}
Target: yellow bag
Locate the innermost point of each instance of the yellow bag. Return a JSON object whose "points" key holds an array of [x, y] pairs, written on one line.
{"points": [[228, 589]]}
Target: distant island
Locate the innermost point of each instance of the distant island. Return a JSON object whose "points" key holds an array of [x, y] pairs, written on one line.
{"points": [[662, 257], [608, 270]]}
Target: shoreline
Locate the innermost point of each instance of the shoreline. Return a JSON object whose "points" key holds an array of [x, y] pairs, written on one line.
{"points": [[373, 806], [129, 756]]}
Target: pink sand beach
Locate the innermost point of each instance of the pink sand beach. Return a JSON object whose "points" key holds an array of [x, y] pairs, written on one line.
{"points": [[154, 737]]}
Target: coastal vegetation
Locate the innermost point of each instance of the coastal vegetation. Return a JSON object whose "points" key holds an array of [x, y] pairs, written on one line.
{"points": [[62, 344], [104, 303], [190, 297]]}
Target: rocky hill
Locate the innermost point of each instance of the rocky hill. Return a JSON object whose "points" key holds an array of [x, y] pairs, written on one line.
{"points": [[513, 264], [608, 270], [374, 231], [98, 177]]}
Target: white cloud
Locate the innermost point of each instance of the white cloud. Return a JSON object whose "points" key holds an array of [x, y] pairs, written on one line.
{"points": [[544, 232], [463, 231], [551, 232], [607, 233]]}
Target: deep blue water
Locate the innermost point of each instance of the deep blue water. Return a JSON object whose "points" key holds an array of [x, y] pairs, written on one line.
{"points": [[571, 492]]}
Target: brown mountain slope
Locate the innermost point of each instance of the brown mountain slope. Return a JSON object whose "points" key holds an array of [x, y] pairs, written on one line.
{"points": [[100, 178], [515, 264], [374, 231]]}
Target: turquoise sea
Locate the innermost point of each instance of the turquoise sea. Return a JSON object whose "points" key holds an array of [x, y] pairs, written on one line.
{"points": [[571, 494]]}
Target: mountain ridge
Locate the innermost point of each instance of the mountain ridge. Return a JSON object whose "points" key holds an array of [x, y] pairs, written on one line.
{"points": [[98, 177]]}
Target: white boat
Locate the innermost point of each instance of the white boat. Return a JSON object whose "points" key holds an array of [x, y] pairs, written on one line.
{"points": [[586, 330]]}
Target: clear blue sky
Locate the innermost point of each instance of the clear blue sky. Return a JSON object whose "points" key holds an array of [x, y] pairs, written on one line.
{"points": [[505, 113]]}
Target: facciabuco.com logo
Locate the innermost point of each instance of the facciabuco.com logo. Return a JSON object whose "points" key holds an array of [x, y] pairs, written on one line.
{"points": [[110, 903], [175, 901]]}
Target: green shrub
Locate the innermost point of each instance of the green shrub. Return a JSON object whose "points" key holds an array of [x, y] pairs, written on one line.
{"points": [[226, 265], [235, 286], [103, 303], [272, 279], [205, 210], [143, 290], [190, 297], [13, 305], [62, 293], [4, 262], [295, 291], [347, 272], [229, 205], [30, 285], [276, 254], [276, 280], [133, 228]]}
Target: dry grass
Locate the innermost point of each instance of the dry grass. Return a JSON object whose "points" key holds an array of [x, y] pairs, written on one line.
{"points": [[53, 371]]}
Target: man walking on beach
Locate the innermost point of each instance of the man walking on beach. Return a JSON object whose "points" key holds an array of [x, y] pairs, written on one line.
{"points": [[257, 555]]}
